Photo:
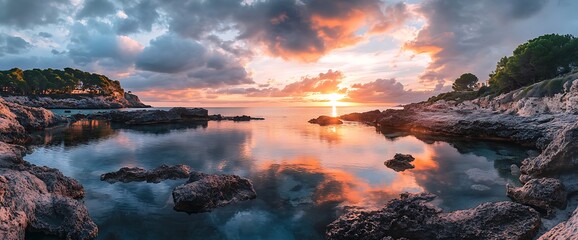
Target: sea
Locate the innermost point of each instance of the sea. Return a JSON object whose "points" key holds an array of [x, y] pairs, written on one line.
{"points": [[305, 175]]}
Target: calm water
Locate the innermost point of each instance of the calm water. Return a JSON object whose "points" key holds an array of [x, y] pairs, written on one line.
{"points": [[303, 173]]}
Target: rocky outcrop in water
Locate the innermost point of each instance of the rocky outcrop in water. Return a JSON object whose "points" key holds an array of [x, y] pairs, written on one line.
{"points": [[16, 120], [326, 120], [204, 192], [413, 217], [369, 117], [128, 100], [136, 174], [400, 162], [544, 194], [33, 198]]}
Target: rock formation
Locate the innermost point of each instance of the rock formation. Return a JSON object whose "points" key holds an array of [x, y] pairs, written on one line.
{"points": [[204, 192], [413, 217], [400, 162], [136, 174], [325, 120], [128, 100], [542, 193]]}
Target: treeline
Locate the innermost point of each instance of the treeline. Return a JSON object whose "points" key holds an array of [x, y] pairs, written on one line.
{"points": [[546, 57], [54, 81]]}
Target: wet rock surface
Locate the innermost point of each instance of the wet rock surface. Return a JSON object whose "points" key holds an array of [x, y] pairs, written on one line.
{"points": [[413, 217], [565, 230], [400, 162], [544, 194], [173, 115], [326, 120], [204, 192], [136, 174]]}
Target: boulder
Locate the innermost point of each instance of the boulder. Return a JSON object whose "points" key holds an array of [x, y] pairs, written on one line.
{"points": [[400, 162], [191, 113], [325, 120], [413, 217], [204, 192], [542, 193], [136, 174], [29, 204], [367, 117]]}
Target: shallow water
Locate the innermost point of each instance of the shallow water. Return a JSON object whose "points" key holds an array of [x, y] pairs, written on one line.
{"points": [[303, 173]]}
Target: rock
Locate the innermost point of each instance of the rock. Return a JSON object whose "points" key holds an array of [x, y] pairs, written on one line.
{"points": [[543, 193], [325, 120], [56, 182], [413, 217], [136, 174], [400, 162], [204, 192], [191, 113], [515, 170], [564, 230], [367, 117], [126, 100], [561, 156], [29, 204], [16, 120]]}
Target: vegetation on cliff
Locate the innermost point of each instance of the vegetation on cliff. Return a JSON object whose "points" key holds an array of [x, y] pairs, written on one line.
{"points": [[54, 81]]}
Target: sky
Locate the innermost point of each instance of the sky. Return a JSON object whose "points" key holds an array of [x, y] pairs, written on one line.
{"points": [[276, 52]]}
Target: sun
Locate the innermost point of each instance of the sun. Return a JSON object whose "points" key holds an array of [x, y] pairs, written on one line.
{"points": [[334, 97]]}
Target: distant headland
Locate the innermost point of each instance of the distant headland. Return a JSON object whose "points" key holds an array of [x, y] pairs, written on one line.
{"points": [[67, 88]]}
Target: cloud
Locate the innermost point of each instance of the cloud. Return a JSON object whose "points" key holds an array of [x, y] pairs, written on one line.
{"points": [[44, 34], [32, 13], [96, 8], [139, 16], [463, 36], [171, 54], [323, 83], [292, 30], [12, 45], [388, 91]]}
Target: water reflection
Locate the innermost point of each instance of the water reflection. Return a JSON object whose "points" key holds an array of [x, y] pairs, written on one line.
{"points": [[302, 173]]}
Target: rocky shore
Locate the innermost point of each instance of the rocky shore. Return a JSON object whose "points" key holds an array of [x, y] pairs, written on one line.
{"points": [[32, 198], [548, 123], [84, 101]]}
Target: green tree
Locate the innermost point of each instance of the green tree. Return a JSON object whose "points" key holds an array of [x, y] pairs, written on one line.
{"points": [[465, 82], [539, 59]]}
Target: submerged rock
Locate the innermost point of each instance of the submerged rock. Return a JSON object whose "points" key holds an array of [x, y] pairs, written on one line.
{"points": [[325, 120], [542, 193], [413, 217], [136, 174], [204, 192], [400, 162]]}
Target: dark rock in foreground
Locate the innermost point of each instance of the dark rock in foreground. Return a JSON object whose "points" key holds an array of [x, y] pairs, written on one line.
{"points": [[204, 192], [325, 120], [564, 230], [413, 217], [136, 174], [541, 193], [400, 162]]}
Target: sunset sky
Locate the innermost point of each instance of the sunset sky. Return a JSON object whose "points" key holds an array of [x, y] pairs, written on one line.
{"points": [[276, 52]]}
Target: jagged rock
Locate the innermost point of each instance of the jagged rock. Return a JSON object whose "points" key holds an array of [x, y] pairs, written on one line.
{"points": [[543, 194], [136, 174], [413, 217], [400, 162], [25, 196], [190, 113], [564, 230], [561, 156], [204, 192], [325, 120], [16, 120]]}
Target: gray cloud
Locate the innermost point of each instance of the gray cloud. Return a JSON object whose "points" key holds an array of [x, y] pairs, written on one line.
{"points": [[12, 45], [140, 16], [96, 8], [463, 36], [172, 54], [31, 13], [44, 34]]}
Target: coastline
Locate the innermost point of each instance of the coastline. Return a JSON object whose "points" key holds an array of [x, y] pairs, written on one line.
{"points": [[547, 123]]}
